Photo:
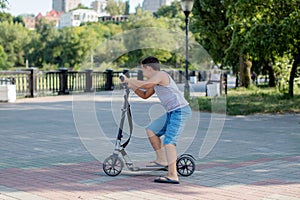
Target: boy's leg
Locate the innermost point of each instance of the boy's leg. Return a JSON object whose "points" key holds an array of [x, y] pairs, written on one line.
{"points": [[171, 158], [173, 130], [157, 146]]}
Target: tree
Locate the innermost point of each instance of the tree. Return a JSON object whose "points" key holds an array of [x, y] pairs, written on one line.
{"points": [[44, 45], [273, 30], [3, 59], [147, 40], [291, 25], [74, 46], [237, 43], [81, 6], [116, 7], [209, 24], [127, 7], [3, 4], [102, 53], [68, 52], [19, 19], [172, 11], [6, 17], [14, 38]]}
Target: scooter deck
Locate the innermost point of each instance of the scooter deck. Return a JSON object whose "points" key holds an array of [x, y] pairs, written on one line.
{"points": [[148, 168]]}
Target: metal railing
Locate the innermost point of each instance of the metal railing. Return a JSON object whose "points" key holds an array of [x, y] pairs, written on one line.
{"points": [[34, 82]]}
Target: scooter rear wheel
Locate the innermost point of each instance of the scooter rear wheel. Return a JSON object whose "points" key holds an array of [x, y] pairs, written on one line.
{"points": [[185, 165], [113, 165]]}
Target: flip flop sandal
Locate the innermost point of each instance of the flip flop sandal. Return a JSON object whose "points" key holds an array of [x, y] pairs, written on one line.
{"points": [[155, 164], [164, 179]]}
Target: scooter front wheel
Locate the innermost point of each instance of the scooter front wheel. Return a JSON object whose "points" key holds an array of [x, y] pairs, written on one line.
{"points": [[185, 165], [113, 165]]}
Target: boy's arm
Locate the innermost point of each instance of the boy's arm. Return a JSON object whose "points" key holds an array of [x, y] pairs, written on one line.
{"points": [[141, 84], [150, 83], [143, 89], [143, 93]]}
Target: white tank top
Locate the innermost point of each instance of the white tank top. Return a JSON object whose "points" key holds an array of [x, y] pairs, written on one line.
{"points": [[170, 96]]}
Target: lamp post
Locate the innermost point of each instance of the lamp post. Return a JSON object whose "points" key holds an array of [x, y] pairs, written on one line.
{"points": [[187, 6]]}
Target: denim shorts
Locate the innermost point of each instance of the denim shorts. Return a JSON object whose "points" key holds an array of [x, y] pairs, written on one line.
{"points": [[171, 124]]}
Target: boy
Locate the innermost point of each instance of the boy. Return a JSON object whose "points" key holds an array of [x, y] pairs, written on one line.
{"points": [[171, 124]]}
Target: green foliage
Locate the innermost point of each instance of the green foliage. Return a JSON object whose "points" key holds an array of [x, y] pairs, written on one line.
{"points": [[264, 30], [209, 24], [282, 70], [3, 59], [261, 23], [81, 6], [104, 49], [172, 11], [3, 15], [94, 44], [267, 30], [44, 46], [6, 17], [3, 4], [146, 40], [14, 38], [74, 46], [116, 7], [19, 20]]}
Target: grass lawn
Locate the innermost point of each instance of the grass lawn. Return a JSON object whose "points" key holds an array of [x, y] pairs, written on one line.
{"points": [[243, 101]]}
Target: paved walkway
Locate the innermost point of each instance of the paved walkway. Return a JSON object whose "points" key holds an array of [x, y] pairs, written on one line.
{"points": [[52, 148]]}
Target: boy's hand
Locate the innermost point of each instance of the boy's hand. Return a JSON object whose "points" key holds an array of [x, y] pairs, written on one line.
{"points": [[123, 78]]}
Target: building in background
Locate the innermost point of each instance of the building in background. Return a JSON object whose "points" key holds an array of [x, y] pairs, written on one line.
{"points": [[154, 5], [51, 17], [77, 17], [99, 6], [65, 5], [29, 21], [115, 19], [64, 15]]}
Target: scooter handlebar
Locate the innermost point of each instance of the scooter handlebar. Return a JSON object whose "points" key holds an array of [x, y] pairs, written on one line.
{"points": [[125, 85], [121, 78]]}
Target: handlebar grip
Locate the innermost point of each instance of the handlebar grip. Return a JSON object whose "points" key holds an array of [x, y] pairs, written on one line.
{"points": [[121, 78]]}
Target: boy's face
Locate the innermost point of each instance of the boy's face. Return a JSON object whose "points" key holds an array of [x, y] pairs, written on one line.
{"points": [[146, 71]]}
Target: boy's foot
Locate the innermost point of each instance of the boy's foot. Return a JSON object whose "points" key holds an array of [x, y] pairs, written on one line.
{"points": [[156, 164], [164, 179]]}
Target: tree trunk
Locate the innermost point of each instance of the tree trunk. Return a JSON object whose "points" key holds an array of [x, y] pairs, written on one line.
{"points": [[245, 70], [237, 80], [270, 69], [293, 73]]}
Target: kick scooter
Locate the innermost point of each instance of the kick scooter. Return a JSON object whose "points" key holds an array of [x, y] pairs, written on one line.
{"points": [[114, 164]]}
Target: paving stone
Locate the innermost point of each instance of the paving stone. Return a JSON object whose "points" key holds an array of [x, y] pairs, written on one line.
{"points": [[44, 156]]}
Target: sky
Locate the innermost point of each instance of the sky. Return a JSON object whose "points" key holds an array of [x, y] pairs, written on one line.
{"points": [[17, 7]]}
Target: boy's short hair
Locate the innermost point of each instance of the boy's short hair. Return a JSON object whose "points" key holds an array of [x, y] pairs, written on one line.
{"points": [[152, 62]]}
